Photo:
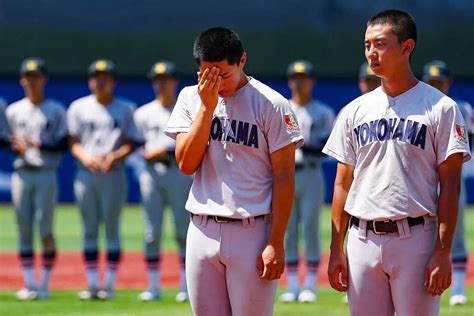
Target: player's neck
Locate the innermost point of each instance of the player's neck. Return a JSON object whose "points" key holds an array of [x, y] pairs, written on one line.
{"points": [[35, 99], [399, 83], [301, 100], [104, 99], [166, 100]]}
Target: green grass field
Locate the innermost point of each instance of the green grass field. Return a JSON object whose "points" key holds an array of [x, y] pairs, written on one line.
{"points": [[68, 232]]}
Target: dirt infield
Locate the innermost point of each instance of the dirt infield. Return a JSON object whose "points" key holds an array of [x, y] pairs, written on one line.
{"points": [[70, 271]]}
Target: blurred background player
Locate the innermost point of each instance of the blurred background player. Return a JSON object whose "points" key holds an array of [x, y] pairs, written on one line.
{"points": [[38, 138], [101, 129], [4, 131], [368, 81], [437, 74], [161, 182], [315, 120]]}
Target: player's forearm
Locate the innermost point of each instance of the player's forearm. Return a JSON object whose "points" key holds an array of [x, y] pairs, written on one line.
{"points": [[340, 219], [191, 147], [123, 151], [448, 203], [282, 203], [78, 151], [153, 155]]}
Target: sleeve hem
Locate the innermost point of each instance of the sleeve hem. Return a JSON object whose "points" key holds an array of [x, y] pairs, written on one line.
{"points": [[338, 157]]}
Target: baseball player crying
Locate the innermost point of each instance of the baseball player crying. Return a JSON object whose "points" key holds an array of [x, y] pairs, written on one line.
{"points": [[395, 146], [238, 137]]}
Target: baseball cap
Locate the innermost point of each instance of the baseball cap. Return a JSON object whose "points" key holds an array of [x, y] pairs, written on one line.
{"points": [[102, 66], [33, 65], [436, 70], [365, 72], [162, 68], [301, 67]]}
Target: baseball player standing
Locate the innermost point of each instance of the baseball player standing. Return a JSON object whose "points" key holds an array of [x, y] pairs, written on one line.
{"points": [[161, 181], [38, 138], [316, 120], [101, 129], [368, 81], [437, 74], [238, 137], [394, 146]]}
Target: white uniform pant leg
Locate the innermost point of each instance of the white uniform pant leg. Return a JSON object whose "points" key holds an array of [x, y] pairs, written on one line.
{"points": [[310, 210], [241, 246], [205, 273], [153, 208], [88, 203], [368, 289], [405, 260], [23, 203], [45, 201]]}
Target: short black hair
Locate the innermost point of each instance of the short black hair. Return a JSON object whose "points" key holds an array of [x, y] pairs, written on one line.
{"points": [[217, 44], [403, 25]]}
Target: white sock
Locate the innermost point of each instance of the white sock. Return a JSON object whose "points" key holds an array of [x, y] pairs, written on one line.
{"points": [[92, 278], [292, 279], [29, 277], [457, 288], [45, 277], [154, 280], [182, 284], [310, 281], [110, 277]]}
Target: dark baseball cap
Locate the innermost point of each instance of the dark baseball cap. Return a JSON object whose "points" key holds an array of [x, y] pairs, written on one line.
{"points": [[33, 65], [162, 68], [302, 67], [102, 66], [365, 72], [436, 70]]}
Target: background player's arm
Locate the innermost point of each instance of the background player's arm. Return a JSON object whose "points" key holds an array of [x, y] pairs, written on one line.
{"points": [[438, 270], [88, 161], [117, 155], [154, 154], [271, 263], [191, 146], [337, 269]]}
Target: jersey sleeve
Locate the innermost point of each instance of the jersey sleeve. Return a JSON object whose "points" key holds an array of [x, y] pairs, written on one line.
{"points": [[451, 133], [138, 121], [281, 126], [130, 130], [180, 120], [340, 144], [4, 130], [72, 121]]}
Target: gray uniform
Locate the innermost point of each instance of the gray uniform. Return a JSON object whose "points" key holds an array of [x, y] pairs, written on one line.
{"points": [[161, 182], [34, 187], [315, 121], [4, 131], [100, 130]]}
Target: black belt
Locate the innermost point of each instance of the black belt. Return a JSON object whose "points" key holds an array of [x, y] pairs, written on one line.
{"points": [[383, 227], [222, 219], [312, 164]]}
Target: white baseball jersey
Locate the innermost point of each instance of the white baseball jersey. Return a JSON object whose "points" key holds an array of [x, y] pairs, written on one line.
{"points": [[396, 145], [235, 175], [44, 124], [151, 120], [4, 131], [316, 121], [100, 128], [468, 114]]}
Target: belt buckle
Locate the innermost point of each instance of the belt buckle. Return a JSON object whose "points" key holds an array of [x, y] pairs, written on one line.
{"points": [[217, 219], [374, 227]]}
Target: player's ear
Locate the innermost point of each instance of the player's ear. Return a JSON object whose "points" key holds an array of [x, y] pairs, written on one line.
{"points": [[409, 46], [243, 60]]}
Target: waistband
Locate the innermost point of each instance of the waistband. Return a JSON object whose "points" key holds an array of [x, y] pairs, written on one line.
{"points": [[224, 220], [382, 227]]}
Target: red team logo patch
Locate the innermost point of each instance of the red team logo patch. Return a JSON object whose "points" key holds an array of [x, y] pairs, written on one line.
{"points": [[461, 133], [291, 122]]}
